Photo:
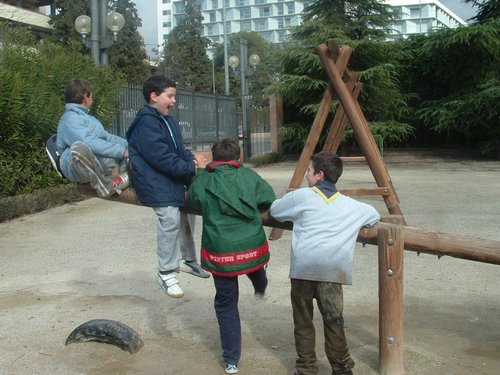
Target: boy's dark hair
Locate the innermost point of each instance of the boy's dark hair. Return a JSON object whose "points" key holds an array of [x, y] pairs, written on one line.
{"points": [[76, 90], [330, 164], [225, 149], [156, 84]]}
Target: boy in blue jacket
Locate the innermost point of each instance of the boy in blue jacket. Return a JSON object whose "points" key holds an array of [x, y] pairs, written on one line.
{"points": [[161, 168], [89, 154]]}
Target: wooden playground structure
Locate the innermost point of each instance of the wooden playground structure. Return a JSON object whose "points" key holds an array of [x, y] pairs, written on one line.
{"points": [[392, 236]]}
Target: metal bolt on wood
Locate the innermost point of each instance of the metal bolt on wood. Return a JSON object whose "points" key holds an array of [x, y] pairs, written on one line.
{"points": [[390, 272], [391, 340], [390, 242]]}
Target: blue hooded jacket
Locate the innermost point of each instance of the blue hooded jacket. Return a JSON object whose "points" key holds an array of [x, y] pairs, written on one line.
{"points": [[76, 124], [161, 166]]}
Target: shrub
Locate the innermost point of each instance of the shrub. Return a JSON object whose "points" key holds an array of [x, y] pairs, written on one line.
{"points": [[33, 74]]}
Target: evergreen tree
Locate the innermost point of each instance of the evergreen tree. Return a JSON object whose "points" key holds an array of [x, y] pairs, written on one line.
{"points": [[487, 10], [63, 20], [128, 54], [356, 19], [260, 77], [185, 59], [360, 24], [456, 74]]}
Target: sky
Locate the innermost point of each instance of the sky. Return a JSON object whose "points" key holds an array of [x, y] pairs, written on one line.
{"points": [[464, 11]]}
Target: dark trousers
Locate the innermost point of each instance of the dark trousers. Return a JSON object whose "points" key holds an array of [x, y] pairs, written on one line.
{"points": [[329, 298], [226, 309]]}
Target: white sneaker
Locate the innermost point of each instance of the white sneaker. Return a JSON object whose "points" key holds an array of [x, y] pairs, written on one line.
{"points": [[231, 368], [170, 285]]}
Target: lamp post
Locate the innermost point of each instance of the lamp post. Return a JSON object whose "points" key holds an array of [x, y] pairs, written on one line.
{"points": [[245, 73], [96, 26]]}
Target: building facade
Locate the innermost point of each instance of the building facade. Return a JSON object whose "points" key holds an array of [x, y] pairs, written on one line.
{"points": [[27, 13], [421, 16], [272, 19]]}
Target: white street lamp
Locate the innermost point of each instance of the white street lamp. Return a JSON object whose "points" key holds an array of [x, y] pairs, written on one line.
{"points": [[96, 27], [234, 62], [115, 23], [83, 26]]}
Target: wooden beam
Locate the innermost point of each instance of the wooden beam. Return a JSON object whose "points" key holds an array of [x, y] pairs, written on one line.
{"points": [[360, 128], [417, 240]]}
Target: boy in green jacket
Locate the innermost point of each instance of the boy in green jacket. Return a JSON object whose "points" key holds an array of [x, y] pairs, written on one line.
{"points": [[233, 241]]}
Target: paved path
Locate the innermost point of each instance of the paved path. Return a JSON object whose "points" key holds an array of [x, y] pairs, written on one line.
{"points": [[96, 259]]}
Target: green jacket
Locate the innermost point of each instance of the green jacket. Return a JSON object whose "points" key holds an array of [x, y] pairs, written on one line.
{"points": [[229, 196]]}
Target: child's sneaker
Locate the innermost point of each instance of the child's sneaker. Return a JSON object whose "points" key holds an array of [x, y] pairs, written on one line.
{"points": [[193, 268], [170, 285], [121, 182], [230, 368]]}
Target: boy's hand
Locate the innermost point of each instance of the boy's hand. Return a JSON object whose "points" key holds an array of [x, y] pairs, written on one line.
{"points": [[200, 161]]}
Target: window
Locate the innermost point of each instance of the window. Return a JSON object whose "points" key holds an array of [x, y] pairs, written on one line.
{"points": [[210, 30], [241, 3], [165, 36], [215, 4], [166, 12], [179, 7], [167, 24], [265, 11], [281, 23], [291, 8], [415, 12], [260, 25], [268, 36], [246, 26], [245, 13], [166, 1], [280, 9], [212, 17], [259, 2]]}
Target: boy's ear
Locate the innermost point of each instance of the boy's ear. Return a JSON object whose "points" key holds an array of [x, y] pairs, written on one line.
{"points": [[153, 98]]}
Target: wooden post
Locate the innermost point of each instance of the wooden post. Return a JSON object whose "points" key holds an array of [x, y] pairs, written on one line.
{"points": [[318, 124], [360, 129], [391, 307], [337, 129], [276, 122]]}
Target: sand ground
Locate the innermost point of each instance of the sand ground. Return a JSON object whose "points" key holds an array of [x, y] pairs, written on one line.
{"points": [[96, 259]]}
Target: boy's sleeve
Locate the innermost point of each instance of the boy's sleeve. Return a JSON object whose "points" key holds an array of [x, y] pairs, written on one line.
{"points": [[265, 194], [371, 216], [194, 193], [283, 209]]}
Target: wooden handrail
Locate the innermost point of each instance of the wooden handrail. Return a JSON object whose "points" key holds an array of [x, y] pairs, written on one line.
{"points": [[415, 239]]}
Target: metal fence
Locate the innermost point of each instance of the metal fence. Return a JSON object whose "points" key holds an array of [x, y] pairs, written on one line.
{"points": [[203, 118]]}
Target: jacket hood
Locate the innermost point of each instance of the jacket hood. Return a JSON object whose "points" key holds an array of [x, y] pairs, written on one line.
{"points": [[232, 201]]}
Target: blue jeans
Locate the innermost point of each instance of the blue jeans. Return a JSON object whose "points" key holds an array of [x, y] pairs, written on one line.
{"points": [[226, 309]]}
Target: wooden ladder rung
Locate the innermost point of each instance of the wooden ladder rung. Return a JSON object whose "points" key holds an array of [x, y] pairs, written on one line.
{"points": [[366, 191], [353, 158]]}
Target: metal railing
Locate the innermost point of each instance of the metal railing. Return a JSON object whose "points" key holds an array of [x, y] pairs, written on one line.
{"points": [[203, 118]]}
